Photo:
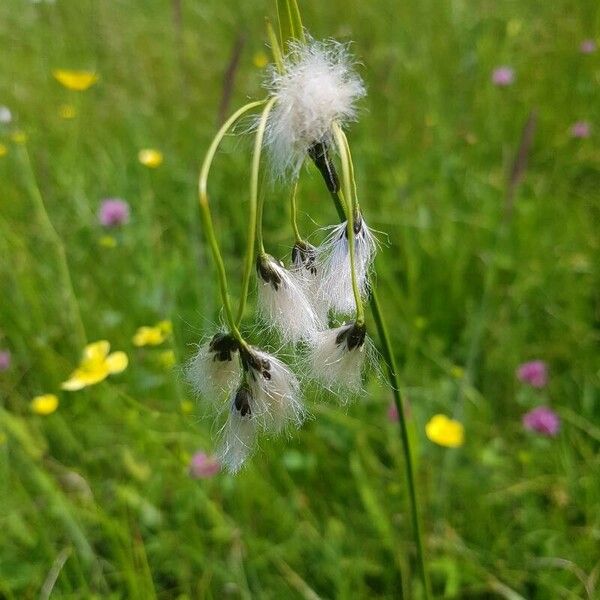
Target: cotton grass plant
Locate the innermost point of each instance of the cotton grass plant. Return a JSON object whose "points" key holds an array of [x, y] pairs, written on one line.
{"points": [[312, 95]]}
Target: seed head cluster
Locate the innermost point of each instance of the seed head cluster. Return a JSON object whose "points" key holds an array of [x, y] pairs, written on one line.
{"points": [[301, 304]]}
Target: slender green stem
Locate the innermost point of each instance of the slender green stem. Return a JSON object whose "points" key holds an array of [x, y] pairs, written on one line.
{"points": [[253, 212], [256, 163], [294, 212], [207, 221], [355, 205], [388, 354], [339, 138], [70, 297], [275, 47]]}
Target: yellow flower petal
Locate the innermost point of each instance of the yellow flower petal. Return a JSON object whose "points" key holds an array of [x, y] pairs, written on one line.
{"points": [[150, 158], [78, 81], [117, 362], [45, 404], [3, 150], [165, 326], [149, 336], [19, 137], [83, 377], [96, 351], [457, 372], [260, 60], [167, 358], [445, 432], [187, 407], [108, 241], [67, 111]]}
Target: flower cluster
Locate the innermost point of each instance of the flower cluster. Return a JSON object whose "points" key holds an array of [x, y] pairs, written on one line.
{"points": [[312, 96]]}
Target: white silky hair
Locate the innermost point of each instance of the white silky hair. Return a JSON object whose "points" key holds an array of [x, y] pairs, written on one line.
{"points": [[318, 86], [333, 364], [210, 378], [238, 441], [275, 389], [287, 307], [311, 282], [333, 257]]}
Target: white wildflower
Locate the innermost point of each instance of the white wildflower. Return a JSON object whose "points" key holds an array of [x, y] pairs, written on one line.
{"points": [[274, 391], [239, 433], [337, 357], [215, 369], [305, 269], [5, 115], [283, 302], [318, 87], [335, 288]]}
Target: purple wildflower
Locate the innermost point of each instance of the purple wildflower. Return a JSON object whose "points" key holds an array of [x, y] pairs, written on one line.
{"points": [[4, 360], [542, 420], [203, 466], [392, 413], [587, 47], [113, 212], [535, 373], [581, 129], [503, 76]]}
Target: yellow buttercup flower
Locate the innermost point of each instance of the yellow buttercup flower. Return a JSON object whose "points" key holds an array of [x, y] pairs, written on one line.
{"points": [[19, 137], [187, 407], [457, 372], [260, 60], [108, 241], [152, 336], [45, 404], [67, 111], [79, 81], [95, 366], [3, 150], [150, 158], [445, 432], [167, 359]]}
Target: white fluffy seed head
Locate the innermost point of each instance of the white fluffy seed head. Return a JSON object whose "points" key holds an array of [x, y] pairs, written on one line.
{"points": [[283, 301], [273, 392], [337, 357], [214, 371], [318, 86], [238, 441], [335, 287]]}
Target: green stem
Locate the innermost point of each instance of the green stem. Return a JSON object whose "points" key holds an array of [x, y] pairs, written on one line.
{"points": [[355, 205], [207, 221], [253, 212], [294, 212], [275, 47], [70, 297], [388, 354], [339, 138]]}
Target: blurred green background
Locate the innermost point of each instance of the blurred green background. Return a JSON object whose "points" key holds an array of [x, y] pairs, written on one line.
{"points": [[96, 499]]}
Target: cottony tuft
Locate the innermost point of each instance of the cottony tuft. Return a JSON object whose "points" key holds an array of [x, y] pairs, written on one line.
{"points": [[317, 88]]}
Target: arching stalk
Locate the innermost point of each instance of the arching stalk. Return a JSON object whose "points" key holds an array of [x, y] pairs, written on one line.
{"points": [[347, 187], [207, 222], [253, 225], [294, 212]]}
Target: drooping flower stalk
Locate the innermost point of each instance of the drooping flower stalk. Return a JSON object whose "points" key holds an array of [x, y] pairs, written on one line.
{"points": [[253, 208], [207, 221], [387, 350], [313, 92]]}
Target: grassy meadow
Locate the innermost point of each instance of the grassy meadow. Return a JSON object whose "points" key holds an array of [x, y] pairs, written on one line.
{"points": [[479, 272]]}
